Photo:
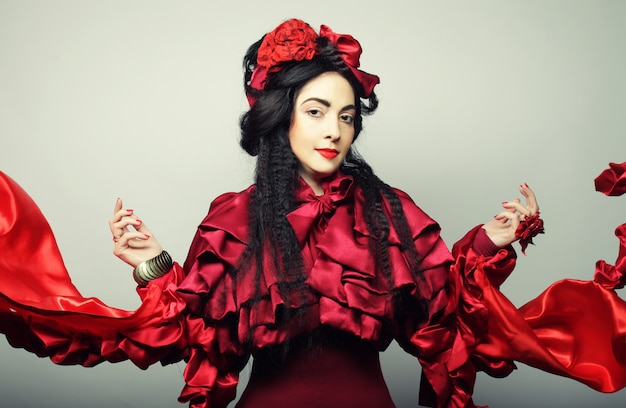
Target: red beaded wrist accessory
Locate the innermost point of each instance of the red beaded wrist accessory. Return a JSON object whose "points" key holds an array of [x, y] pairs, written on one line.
{"points": [[529, 228]]}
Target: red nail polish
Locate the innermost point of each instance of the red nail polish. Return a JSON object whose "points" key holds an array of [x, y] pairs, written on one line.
{"points": [[525, 185], [139, 221], [505, 202], [129, 210], [146, 235]]}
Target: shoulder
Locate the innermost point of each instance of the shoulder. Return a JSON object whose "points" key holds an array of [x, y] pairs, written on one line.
{"points": [[229, 212], [417, 218], [227, 202], [418, 221]]}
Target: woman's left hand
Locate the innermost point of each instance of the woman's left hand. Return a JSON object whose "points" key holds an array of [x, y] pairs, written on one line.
{"points": [[503, 227]]}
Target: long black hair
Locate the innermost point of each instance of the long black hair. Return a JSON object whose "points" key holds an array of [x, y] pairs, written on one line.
{"points": [[264, 133]]}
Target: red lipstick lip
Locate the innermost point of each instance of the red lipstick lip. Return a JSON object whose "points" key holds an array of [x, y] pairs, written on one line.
{"points": [[328, 153]]}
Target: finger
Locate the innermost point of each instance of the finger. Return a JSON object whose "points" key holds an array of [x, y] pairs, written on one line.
{"points": [[503, 217], [141, 227], [515, 205], [508, 207], [138, 225], [120, 221], [513, 218], [118, 206], [123, 224], [531, 200], [118, 215], [130, 240]]}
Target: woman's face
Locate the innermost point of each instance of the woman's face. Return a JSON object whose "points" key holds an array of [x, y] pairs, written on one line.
{"points": [[322, 126]]}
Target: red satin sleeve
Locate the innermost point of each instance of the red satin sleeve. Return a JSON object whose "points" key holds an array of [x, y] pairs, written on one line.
{"points": [[43, 312], [457, 320], [446, 318]]}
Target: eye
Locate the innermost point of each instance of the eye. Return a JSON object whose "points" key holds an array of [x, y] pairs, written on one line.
{"points": [[316, 113], [347, 118]]}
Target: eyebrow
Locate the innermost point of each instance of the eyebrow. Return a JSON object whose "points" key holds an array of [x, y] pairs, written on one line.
{"points": [[327, 104]]}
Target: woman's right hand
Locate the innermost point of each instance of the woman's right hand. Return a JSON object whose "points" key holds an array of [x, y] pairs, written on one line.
{"points": [[135, 245]]}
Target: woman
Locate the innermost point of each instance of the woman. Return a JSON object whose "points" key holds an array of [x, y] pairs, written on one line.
{"points": [[305, 113], [312, 270]]}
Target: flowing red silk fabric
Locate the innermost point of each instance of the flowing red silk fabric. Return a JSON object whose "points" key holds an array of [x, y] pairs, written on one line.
{"points": [[612, 181], [43, 312], [574, 328]]}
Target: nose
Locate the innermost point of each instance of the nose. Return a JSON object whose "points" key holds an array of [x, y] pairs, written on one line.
{"points": [[333, 130]]}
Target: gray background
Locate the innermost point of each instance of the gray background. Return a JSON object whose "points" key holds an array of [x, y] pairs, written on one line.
{"points": [[140, 100]]}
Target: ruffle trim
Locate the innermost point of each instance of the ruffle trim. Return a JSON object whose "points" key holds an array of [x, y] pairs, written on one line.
{"points": [[344, 292], [447, 343], [159, 331]]}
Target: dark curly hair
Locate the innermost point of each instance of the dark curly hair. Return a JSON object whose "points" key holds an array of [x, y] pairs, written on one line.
{"points": [[264, 133]]}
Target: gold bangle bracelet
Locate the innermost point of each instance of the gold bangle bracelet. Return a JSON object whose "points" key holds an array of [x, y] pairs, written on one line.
{"points": [[153, 268]]}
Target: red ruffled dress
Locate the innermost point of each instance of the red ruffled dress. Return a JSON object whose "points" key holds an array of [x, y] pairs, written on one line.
{"points": [[326, 354]]}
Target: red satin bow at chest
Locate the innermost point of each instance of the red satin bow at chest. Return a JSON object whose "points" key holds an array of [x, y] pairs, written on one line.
{"points": [[315, 210]]}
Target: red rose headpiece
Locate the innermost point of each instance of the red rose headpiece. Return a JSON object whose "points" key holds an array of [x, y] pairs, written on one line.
{"points": [[294, 40]]}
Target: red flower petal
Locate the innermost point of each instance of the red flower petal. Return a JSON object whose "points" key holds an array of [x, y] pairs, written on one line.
{"points": [[612, 181]]}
